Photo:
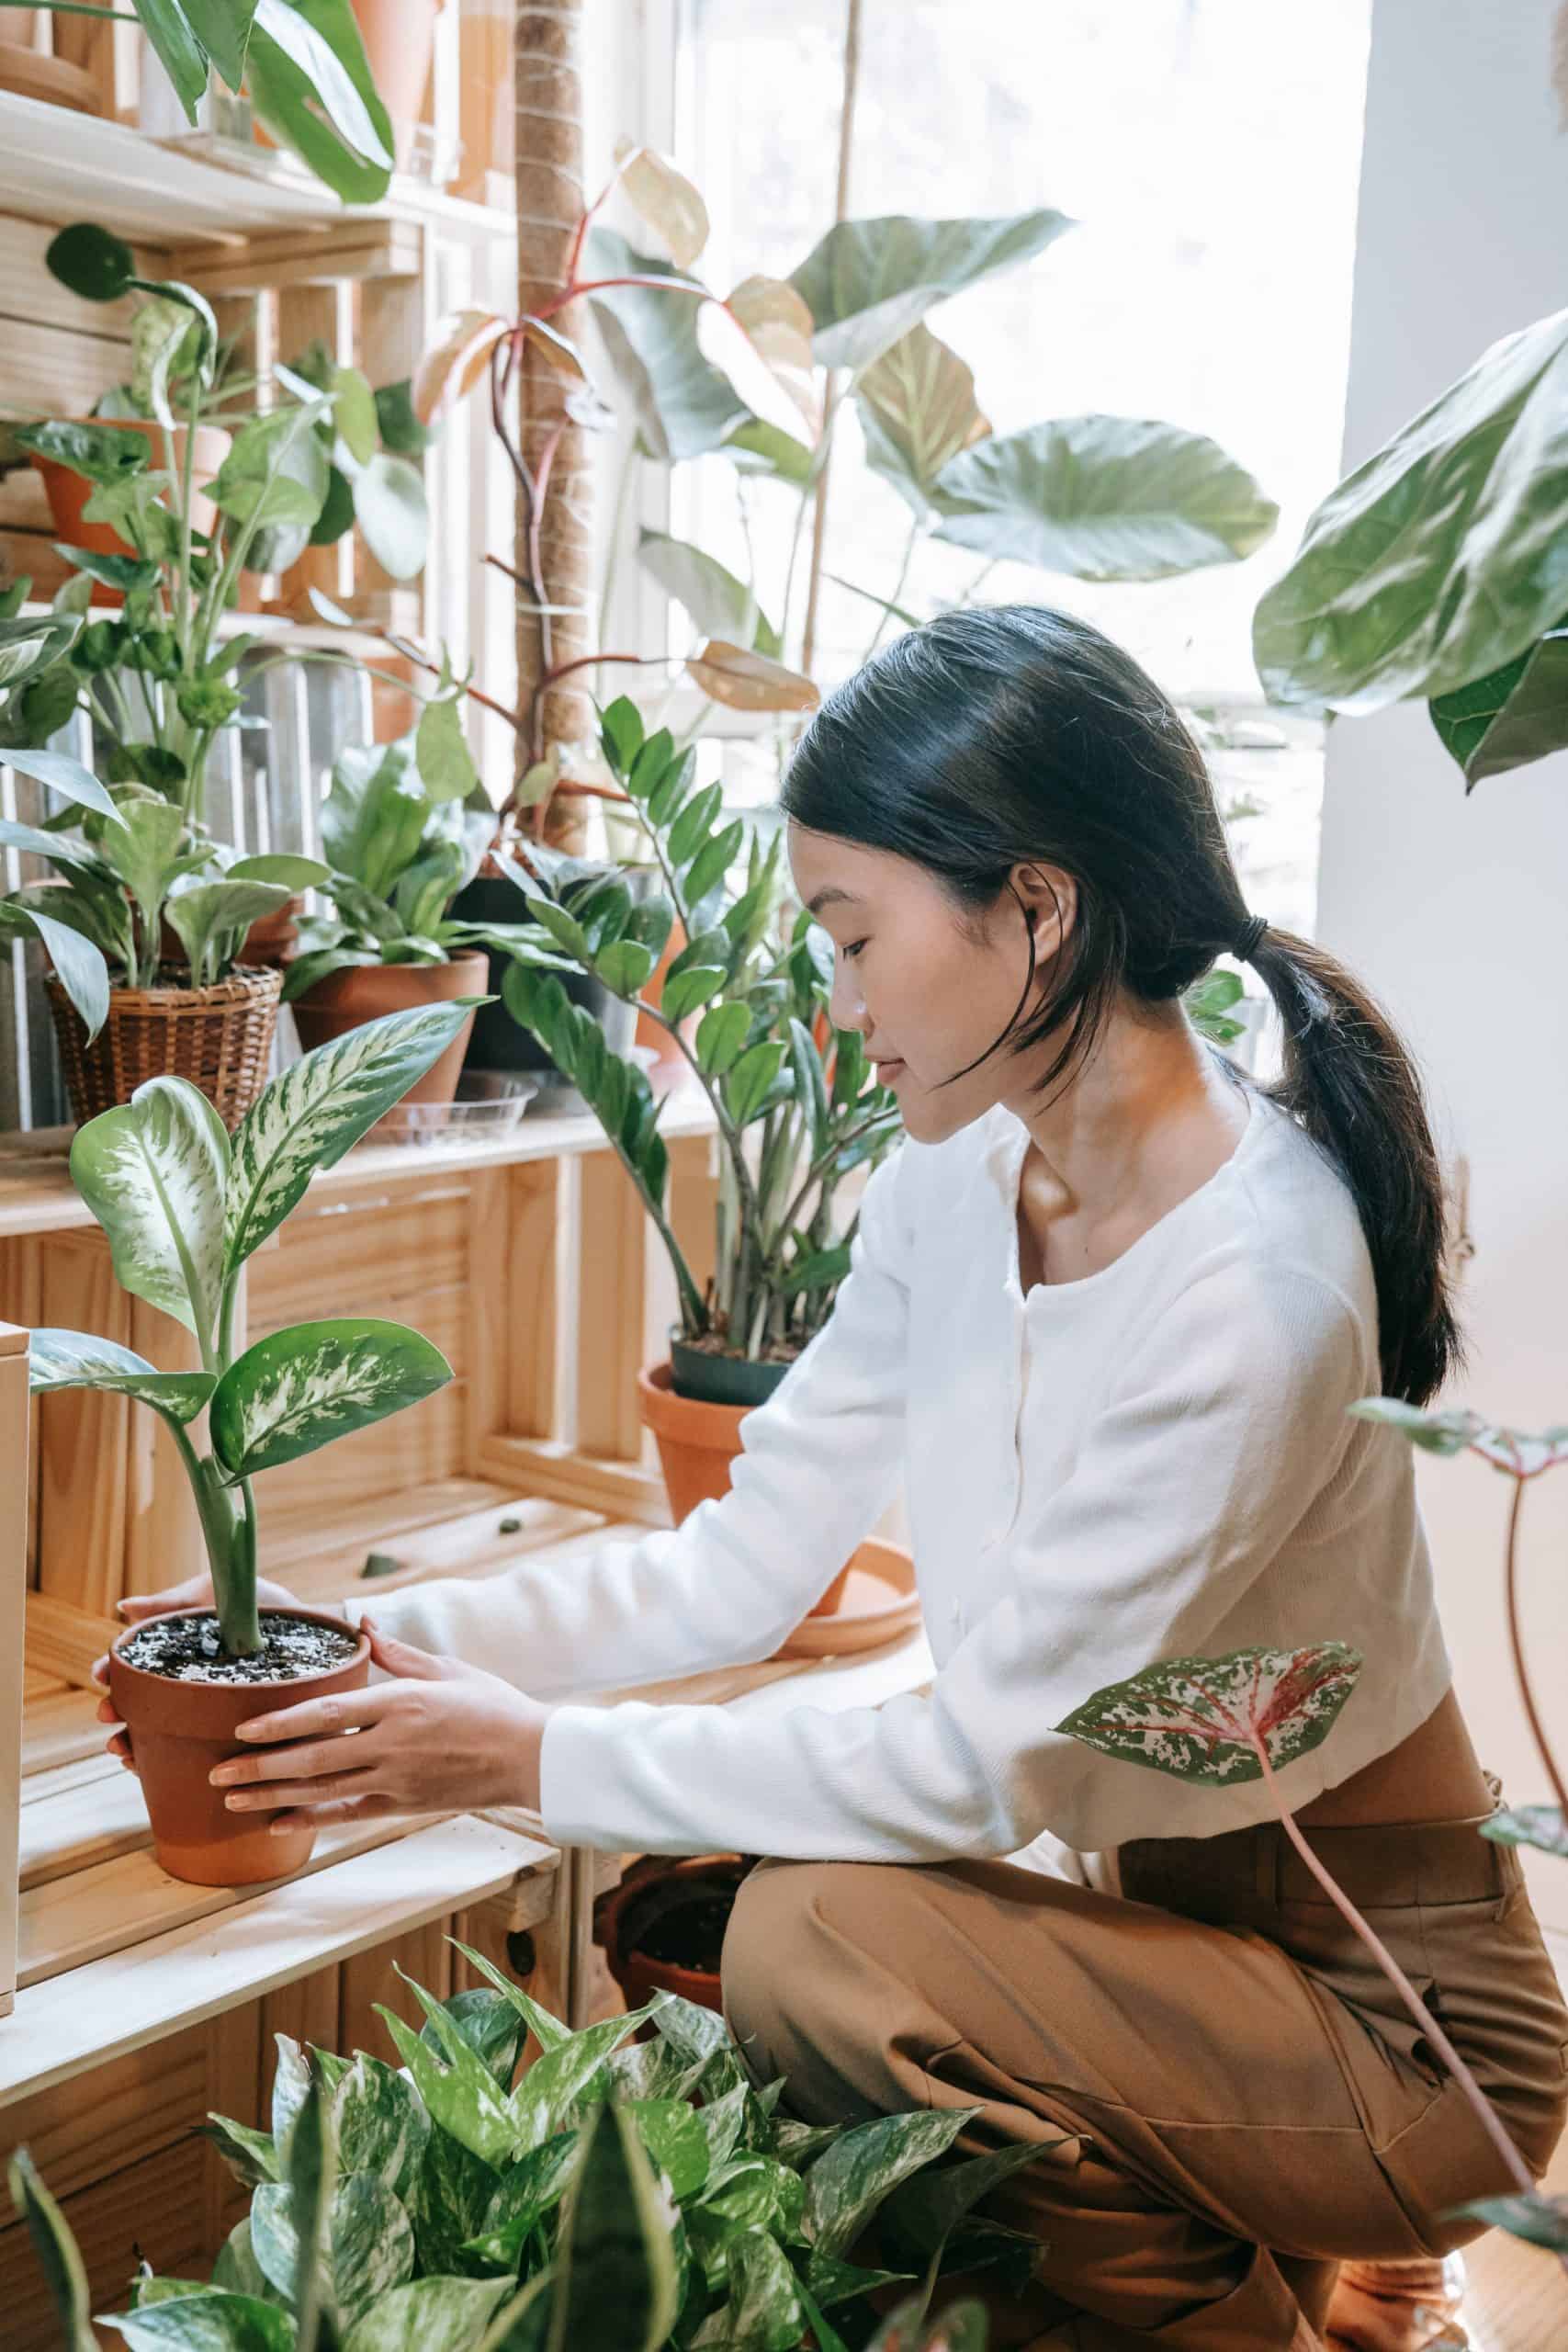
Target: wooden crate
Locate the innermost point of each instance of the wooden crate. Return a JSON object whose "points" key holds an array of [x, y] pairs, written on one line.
{"points": [[14, 1487]]}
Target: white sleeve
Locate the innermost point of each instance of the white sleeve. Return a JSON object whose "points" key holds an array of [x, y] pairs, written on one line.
{"points": [[1224, 1426], [821, 1461]]}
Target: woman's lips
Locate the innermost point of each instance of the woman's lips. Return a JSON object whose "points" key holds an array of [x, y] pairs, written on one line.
{"points": [[888, 1071]]}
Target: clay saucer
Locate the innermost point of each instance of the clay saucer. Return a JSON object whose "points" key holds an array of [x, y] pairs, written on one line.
{"points": [[880, 1605]]}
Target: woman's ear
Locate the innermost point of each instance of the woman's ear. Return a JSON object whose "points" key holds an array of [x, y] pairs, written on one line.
{"points": [[1048, 895]]}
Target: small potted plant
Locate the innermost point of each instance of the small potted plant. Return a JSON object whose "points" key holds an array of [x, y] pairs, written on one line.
{"points": [[184, 1206]]}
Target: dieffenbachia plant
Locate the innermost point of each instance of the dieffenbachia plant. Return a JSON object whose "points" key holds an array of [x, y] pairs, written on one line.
{"points": [[1431, 571], [1222, 1721], [617, 2197], [184, 1205]]}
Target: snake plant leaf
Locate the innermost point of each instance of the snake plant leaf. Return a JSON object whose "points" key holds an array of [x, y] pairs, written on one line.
{"points": [[1205, 1719], [153, 1173], [370, 2245], [301, 1387], [320, 1106], [432, 2315], [616, 2287], [309, 83], [762, 2307], [1514, 715], [866, 283], [1539, 2219], [917, 411], [208, 2321], [64, 775], [1541, 1825], [59, 1358], [1438, 560], [1102, 498], [848, 2181], [311, 2169], [56, 2251], [720, 603], [1518, 1454]]}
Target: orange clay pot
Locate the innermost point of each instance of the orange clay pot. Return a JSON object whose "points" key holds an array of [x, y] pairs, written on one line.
{"points": [[68, 492], [180, 1730], [363, 992]]}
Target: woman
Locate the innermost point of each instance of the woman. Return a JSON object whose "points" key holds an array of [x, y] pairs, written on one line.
{"points": [[1108, 1308]]}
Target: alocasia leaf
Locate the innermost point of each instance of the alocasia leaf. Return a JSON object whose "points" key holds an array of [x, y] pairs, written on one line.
{"points": [[153, 1173], [1205, 1718]]}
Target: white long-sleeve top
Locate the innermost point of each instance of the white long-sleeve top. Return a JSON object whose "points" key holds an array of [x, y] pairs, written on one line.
{"points": [[1153, 1461]]}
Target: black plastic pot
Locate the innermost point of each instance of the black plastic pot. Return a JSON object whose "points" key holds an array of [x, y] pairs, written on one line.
{"points": [[709, 1379], [500, 1043]]}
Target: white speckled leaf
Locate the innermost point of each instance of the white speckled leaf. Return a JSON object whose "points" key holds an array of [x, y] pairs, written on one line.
{"points": [[321, 1105], [303, 1386], [430, 2315], [1519, 1452], [77, 1359], [1529, 1825], [371, 2241], [1203, 1718], [153, 1174]]}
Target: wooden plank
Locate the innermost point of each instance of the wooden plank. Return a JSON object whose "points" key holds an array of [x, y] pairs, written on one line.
{"points": [[64, 1640], [543, 1466], [155, 2209], [84, 1437], [81, 1826], [488, 1285], [189, 1973], [611, 1243], [32, 294], [14, 1417], [59, 1730], [163, 1532], [537, 1285], [357, 247], [371, 1977], [21, 1301], [57, 371]]}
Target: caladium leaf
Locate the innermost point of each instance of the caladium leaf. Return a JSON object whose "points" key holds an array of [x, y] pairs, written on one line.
{"points": [[59, 1358], [1540, 2221], [1515, 1451], [1204, 1719], [616, 2279], [301, 1387], [1529, 1825], [321, 1106], [153, 1173]]}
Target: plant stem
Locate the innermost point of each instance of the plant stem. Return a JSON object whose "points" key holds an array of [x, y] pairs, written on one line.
{"points": [[841, 213], [909, 546], [1517, 2170], [1516, 1642]]}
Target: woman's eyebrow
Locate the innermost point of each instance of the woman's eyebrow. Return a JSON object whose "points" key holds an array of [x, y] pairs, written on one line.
{"points": [[832, 896]]}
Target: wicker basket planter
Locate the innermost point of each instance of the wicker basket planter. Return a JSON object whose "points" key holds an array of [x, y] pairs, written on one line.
{"points": [[219, 1037]]}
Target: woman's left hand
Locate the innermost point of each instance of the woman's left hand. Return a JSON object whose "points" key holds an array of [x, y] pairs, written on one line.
{"points": [[441, 1737]]}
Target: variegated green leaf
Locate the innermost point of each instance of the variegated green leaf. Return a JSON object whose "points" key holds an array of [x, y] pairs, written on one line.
{"points": [[250, 2154], [371, 2241], [553, 2084], [528, 2191], [76, 1359], [455, 2085], [431, 2315], [1205, 1719], [547, 2031], [1529, 1825], [848, 2181], [381, 2124], [763, 2309], [153, 1173], [209, 2321], [320, 1105], [301, 1387], [1517, 1452], [57, 2252], [1540, 2221]]}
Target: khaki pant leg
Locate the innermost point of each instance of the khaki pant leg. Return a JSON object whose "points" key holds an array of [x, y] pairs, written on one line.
{"points": [[1211, 2117]]}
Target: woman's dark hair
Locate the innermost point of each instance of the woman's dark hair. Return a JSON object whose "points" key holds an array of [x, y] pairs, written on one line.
{"points": [[992, 736]]}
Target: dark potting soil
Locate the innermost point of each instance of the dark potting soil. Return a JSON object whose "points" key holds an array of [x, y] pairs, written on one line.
{"points": [[190, 1649], [691, 1936]]}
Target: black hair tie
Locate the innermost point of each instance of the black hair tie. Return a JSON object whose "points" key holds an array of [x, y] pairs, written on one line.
{"points": [[1247, 939]]}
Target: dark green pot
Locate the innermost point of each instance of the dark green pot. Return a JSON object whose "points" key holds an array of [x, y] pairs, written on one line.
{"points": [[721, 1380]]}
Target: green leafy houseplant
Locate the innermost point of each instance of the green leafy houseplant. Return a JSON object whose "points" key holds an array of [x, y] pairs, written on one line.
{"points": [[302, 64], [1434, 570], [617, 2197], [184, 1206]]}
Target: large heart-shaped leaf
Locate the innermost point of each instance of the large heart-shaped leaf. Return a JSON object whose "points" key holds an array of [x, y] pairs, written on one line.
{"points": [[848, 2181], [310, 84], [321, 1106], [684, 404], [299, 1389], [868, 282], [92, 261], [1102, 498], [616, 2278], [720, 604], [917, 411], [59, 1358], [454, 362], [1438, 560], [1514, 715], [1207, 1719], [276, 474], [665, 198], [153, 1173]]}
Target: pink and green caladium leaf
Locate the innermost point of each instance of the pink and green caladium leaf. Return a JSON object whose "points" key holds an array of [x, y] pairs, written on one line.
{"points": [[1517, 1452], [1205, 1718], [1529, 1825], [1542, 2221]]}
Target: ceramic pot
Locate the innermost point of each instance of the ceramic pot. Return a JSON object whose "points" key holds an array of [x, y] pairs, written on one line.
{"points": [[672, 1902], [363, 992], [698, 1442], [68, 492], [180, 1730]]}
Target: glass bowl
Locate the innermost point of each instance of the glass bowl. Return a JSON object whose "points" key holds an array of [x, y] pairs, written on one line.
{"points": [[489, 1103]]}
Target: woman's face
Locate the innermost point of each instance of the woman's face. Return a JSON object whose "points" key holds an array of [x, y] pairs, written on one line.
{"points": [[927, 995]]}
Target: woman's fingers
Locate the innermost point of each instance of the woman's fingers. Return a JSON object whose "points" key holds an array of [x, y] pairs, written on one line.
{"points": [[273, 1794], [365, 1808], [339, 1712]]}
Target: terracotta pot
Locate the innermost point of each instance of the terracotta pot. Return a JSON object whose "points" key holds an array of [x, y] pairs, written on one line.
{"points": [[363, 992], [68, 492], [696, 1444], [180, 1730], [399, 37], [656, 1891]]}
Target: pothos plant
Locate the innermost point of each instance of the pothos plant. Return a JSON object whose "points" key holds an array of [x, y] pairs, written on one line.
{"points": [[763, 375], [617, 2197], [184, 1206]]}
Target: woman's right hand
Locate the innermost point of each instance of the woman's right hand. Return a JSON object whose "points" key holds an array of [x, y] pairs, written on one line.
{"points": [[195, 1593]]}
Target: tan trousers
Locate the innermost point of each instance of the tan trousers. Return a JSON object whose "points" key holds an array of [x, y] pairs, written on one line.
{"points": [[1249, 2101]]}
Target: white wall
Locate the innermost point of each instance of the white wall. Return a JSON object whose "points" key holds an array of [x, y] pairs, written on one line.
{"points": [[1453, 910]]}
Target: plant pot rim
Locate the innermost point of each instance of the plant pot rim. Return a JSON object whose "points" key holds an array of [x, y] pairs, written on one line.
{"points": [[244, 980], [142, 1674], [472, 959]]}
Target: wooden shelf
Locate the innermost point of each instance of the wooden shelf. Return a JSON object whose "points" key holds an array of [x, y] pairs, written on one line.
{"points": [[57, 167]]}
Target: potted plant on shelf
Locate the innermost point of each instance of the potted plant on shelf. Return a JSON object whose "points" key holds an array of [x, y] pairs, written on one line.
{"points": [[184, 1207]]}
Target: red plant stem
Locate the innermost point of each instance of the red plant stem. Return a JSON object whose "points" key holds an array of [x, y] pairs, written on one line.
{"points": [[1516, 1642], [573, 291], [1517, 2170]]}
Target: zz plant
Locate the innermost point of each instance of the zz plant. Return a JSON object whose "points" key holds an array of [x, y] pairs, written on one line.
{"points": [[617, 2197], [184, 1206]]}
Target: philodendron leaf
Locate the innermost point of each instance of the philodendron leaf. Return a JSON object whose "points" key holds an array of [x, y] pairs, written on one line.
{"points": [[209, 2321], [547, 2031], [371, 2241], [718, 604], [1205, 1719], [764, 2307], [309, 81], [1517, 1454], [320, 1107], [491, 2026], [299, 1389], [76, 1359], [528, 2191], [431, 2315], [57, 2252], [616, 2283], [1540, 2221], [1529, 1825], [552, 2085], [868, 282], [848, 2181], [381, 2124], [455, 2085], [153, 1173], [65, 776]]}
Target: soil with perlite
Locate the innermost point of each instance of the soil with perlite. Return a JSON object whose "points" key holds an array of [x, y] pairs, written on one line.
{"points": [[190, 1649]]}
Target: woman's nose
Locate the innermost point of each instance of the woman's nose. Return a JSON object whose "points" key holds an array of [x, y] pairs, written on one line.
{"points": [[844, 1007]]}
